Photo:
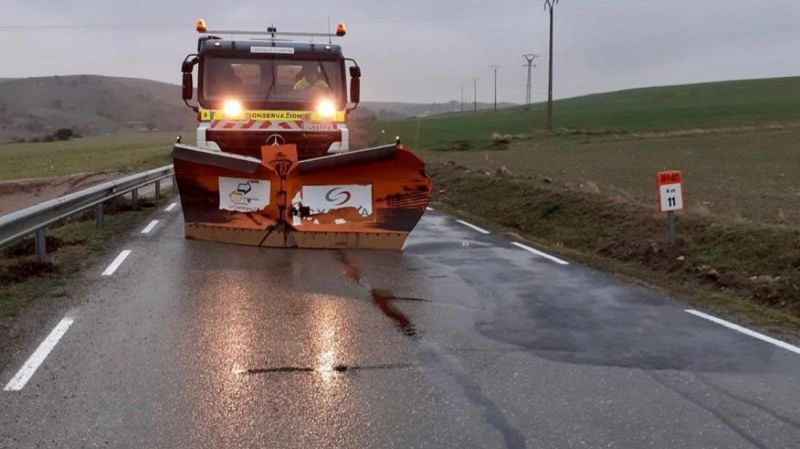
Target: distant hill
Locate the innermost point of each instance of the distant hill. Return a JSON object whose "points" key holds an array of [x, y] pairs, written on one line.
{"points": [[387, 110], [99, 105], [89, 104], [773, 102]]}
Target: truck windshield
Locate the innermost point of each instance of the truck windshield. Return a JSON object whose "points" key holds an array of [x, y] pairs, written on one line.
{"points": [[259, 82]]}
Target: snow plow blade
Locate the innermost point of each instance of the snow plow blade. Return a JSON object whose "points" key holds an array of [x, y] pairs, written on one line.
{"points": [[369, 198]]}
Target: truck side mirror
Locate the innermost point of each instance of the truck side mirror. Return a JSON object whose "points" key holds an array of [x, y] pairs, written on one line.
{"points": [[355, 89], [355, 71], [188, 89], [186, 68]]}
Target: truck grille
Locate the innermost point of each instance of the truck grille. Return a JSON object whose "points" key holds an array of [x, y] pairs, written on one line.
{"points": [[249, 143]]}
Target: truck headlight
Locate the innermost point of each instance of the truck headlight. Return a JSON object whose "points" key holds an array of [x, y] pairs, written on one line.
{"points": [[326, 109], [232, 108]]}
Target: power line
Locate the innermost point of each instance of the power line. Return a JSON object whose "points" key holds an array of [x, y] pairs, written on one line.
{"points": [[464, 11], [473, 11]]}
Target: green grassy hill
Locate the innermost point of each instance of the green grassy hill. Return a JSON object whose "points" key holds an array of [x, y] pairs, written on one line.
{"points": [[90, 104], [697, 106], [393, 110]]}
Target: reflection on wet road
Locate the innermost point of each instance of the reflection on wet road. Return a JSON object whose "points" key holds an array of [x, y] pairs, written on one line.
{"points": [[462, 340]]}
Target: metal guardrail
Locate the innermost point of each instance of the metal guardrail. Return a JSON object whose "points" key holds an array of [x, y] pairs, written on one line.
{"points": [[35, 219]]}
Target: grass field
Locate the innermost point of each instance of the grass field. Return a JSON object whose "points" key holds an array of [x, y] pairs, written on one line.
{"points": [[735, 176], [702, 106], [588, 189], [134, 152], [737, 143]]}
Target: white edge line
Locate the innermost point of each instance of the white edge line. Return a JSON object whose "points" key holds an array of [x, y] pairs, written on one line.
{"points": [[149, 227], [116, 263], [170, 207], [744, 330], [540, 254], [35, 360], [428, 208], [470, 225]]}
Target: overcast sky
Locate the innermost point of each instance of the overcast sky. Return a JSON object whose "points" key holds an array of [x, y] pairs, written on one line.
{"points": [[425, 51]]}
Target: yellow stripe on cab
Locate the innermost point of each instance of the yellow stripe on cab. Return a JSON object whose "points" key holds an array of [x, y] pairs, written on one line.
{"points": [[208, 115]]}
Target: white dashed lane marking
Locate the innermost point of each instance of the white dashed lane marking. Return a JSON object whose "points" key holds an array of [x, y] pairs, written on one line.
{"points": [[540, 253], [117, 262], [35, 360], [472, 226], [745, 331], [149, 227]]}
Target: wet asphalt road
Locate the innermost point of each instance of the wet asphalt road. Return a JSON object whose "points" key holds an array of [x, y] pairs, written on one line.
{"points": [[462, 340]]}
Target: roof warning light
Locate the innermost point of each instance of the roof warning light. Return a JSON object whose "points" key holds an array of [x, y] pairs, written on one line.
{"points": [[200, 26]]}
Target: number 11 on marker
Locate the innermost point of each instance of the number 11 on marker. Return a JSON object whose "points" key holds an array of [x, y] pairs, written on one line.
{"points": [[670, 192]]}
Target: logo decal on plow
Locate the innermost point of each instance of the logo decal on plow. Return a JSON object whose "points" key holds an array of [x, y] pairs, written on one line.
{"points": [[244, 188], [327, 198], [243, 195], [338, 194]]}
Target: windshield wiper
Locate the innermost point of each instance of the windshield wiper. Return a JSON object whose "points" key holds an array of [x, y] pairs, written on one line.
{"points": [[325, 74], [271, 86]]}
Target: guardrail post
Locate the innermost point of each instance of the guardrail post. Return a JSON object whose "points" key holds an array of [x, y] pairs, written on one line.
{"points": [[135, 197], [98, 215], [41, 244], [158, 192]]}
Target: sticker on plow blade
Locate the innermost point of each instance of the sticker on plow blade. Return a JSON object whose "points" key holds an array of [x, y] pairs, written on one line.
{"points": [[323, 199], [243, 195]]}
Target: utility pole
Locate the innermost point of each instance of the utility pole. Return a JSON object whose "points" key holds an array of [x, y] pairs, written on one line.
{"points": [[529, 57], [462, 98], [495, 68], [550, 4], [475, 95]]}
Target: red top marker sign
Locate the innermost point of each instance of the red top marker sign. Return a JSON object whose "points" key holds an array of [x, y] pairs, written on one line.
{"points": [[670, 190], [669, 177]]}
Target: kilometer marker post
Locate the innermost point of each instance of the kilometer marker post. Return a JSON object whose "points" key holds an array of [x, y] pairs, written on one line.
{"points": [[670, 198], [671, 228]]}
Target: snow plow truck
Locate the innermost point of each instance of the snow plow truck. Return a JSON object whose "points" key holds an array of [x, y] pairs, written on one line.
{"points": [[272, 165]]}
